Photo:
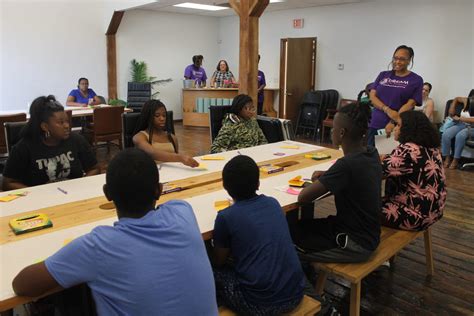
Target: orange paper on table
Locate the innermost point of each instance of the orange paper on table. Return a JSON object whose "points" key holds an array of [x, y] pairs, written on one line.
{"points": [[213, 158], [290, 147], [220, 205], [296, 182]]}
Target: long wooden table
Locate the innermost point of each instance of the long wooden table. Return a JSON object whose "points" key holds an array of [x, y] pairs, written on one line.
{"points": [[77, 111], [78, 212]]}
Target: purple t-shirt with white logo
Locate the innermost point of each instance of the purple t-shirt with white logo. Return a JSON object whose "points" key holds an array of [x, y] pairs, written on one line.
{"points": [[260, 81], [395, 91], [194, 73]]}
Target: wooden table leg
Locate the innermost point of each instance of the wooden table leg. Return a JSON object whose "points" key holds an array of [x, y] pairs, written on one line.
{"points": [[319, 287], [428, 252], [355, 299]]}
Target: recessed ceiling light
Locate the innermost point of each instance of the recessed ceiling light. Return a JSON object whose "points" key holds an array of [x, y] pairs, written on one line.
{"points": [[198, 6], [276, 1]]}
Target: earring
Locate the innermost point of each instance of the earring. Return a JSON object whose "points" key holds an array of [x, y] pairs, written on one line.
{"points": [[47, 134]]}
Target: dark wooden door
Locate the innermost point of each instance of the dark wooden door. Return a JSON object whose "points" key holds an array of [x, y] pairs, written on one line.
{"points": [[297, 74]]}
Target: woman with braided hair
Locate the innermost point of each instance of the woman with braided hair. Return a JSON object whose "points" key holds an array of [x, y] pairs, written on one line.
{"points": [[48, 151], [355, 180], [152, 136]]}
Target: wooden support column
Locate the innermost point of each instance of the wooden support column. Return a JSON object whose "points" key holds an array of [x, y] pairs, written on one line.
{"points": [[249, 12], [112, 54]]}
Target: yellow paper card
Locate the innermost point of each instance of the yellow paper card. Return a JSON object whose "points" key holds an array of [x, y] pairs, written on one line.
{"points": [[220, 205], [213, 158], [296, 182], [297, 178], [290, 147], [8, 198], [202, 166], [67, 241], [19, 193]]}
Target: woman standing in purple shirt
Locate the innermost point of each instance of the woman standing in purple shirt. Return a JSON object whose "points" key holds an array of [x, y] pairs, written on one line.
{"points": [[393, 92], [82, 96], [261, 83]]}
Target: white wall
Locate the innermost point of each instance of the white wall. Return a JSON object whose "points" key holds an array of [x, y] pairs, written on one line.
{"points": [[46, 45], [166, 42], [363, 36]]}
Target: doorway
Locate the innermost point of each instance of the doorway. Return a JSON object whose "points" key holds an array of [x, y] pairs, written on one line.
{"points": [[297, 74]]}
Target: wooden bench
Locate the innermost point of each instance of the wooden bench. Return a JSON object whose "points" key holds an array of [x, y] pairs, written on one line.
{"points": [[392, 241], [308, 306]]}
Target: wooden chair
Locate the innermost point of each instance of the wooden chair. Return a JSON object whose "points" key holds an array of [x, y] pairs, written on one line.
{"points": [[107, 125], [328, 121], [308, 307], [18, 117], [391, 242]]}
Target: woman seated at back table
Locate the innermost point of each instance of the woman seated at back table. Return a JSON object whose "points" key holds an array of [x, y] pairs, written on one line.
{"points": [[152, 137], [82, 96], [48, 151], [239, 127], [222, 76], [415, 191]]}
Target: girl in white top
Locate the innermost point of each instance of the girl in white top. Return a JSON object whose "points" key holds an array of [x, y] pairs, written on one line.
{"points": [[152, 136], [428, 105]]}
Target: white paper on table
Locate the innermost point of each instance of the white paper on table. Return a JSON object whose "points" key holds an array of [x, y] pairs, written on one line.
{"points": [[385, 145]]}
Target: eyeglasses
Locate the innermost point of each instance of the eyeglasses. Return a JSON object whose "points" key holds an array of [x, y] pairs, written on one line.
{"points": [[400, 59]]}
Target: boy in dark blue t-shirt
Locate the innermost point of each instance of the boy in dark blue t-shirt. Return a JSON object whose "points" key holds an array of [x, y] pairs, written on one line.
{"points": [[266, 276]]}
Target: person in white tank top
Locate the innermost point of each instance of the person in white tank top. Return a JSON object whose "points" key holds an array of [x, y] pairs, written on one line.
{"points": [[152, 137], [427, 106]]}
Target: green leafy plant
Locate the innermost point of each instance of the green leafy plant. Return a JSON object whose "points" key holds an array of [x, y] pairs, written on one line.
{"points": [[117, 102], [139, 73]]}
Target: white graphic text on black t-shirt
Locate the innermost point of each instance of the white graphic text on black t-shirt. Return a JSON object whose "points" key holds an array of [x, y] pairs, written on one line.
{"points": [[58, 167]]}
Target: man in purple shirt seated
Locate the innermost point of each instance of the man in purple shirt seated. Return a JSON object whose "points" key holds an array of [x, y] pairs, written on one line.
{"points": [[196, 72], [82, 96]]}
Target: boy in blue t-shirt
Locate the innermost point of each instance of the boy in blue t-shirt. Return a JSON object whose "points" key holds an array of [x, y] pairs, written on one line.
{"points": [[266, 277], [151, 262]]}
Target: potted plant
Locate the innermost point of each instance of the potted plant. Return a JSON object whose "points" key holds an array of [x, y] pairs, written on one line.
{"points": [[142, 85]]}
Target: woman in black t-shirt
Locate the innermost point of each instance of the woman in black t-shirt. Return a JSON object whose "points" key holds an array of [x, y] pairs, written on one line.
{"points": [[48, 152]]}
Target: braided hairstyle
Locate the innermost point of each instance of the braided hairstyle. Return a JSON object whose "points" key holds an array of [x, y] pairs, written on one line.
{"points": [[146, 119], [41, 109], [359, 115]]}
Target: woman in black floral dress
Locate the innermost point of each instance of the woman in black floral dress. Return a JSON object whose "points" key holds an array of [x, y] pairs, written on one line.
{"points": [[415, 190]]}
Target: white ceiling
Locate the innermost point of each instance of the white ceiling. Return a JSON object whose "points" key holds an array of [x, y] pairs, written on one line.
{"points": [[167, 6]]}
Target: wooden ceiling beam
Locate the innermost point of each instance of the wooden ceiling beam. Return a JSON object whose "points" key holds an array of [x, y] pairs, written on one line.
{"points": [[249, 12], [112, 54]]}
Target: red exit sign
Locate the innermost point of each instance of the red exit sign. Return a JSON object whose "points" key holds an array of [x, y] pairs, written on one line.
{"points": [[298, 23]]}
